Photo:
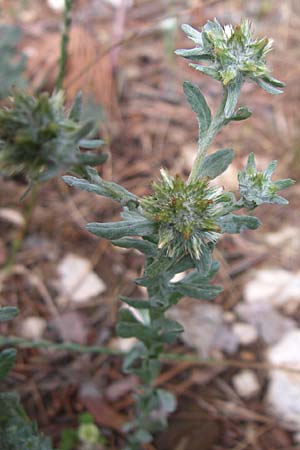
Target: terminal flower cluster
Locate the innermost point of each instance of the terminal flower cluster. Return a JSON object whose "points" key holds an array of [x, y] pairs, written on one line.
{"points": [[232, 53]]}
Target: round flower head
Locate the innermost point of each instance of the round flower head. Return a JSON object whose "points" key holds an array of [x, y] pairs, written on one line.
{"points": [[187, 214], [232, 54]]}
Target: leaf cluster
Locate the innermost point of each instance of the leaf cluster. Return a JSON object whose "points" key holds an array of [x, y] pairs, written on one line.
{"points": [[16, 430]]}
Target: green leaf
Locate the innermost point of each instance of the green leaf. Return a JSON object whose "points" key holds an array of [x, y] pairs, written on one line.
{"points": [[283, 184], [216, 163], [128, 326], [233, 90], [199, 291], [8, 313], [192, 33], [167, 329], [181, 265], [104, 188], [7, 360], [117, 230], [207, 71], [268, 87], [135, 303], [146, 247], [273, 81], [236, 224], [196, 277], [241, 114], [167, 400], [92, 159], [132, 357], [193, 53], [91, 143], [198, 104], [84, 130], [76, 108]]}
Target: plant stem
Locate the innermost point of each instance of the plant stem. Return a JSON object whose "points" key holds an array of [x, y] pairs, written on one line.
{"points": [[67, 20], [28, 214], [217, 123], [165, 357]]}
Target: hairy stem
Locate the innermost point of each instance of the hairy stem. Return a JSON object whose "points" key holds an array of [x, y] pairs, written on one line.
{"points": [[67, 20], [216, 125]]}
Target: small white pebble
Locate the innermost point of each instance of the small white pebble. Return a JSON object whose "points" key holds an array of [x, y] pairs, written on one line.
{"points": [[33, 327], [246, 383], [229, 317], [123, 344], [57, 5], [12, 216], [245, 333]]}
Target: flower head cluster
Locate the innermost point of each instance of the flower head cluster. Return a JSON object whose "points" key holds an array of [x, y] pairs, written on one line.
{"points": [[38, 139], [232, 53], [257, 188], [187, 214]]}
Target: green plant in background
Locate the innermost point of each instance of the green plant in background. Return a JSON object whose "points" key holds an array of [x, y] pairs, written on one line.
{"points": [[88, 435], [16, 430], [41, 140], [12, 61], [178, 225], [7, 356]]}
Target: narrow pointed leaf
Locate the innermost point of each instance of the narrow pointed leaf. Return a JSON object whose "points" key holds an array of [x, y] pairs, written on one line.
{"points": [[76, 108], [146, 247], [91, 143], [192, 33], [283, 184], [204, 292], [207, 71], [193, 53], [105, 188], [198, 104], [236, 224], [84, 130], [135, 303], [268, 87], [274, 81], [117, 230]]}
